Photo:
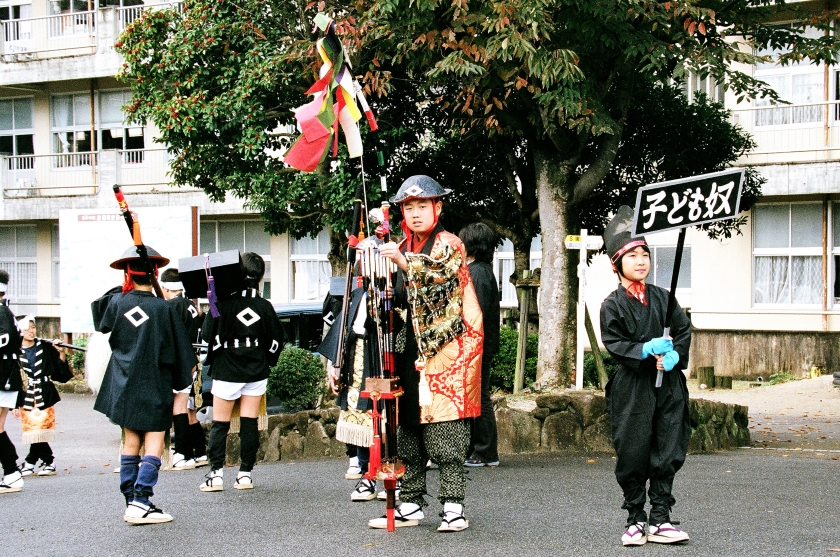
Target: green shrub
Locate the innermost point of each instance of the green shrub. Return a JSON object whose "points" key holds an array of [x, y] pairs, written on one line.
{"points": [[781, 377], [503, 367], [76, 358], [297, 380], [590, 370]]}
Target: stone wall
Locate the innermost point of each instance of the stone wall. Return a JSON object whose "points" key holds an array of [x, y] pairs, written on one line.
{"points": [[575, 421]]}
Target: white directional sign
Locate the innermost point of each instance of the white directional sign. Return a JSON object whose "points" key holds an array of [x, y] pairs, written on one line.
{"points": [[592, 242]]}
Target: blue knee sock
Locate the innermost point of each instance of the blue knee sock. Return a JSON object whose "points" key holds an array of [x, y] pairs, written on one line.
{"points": [[146, 479], [128, 475]]}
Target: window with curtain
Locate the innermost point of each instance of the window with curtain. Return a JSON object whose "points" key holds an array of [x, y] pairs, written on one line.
{"points": [[16, 129], [244, 235], [56, 263], [662, 267], [787, 254], [71, 129], [18, 257], [798, 83], [311, 270], [503, 267], [114, 132]]}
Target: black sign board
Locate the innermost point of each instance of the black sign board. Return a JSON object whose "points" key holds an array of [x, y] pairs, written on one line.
{"points": [[688, 201]]}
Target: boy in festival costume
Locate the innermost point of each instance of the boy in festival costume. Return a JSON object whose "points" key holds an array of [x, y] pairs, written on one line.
{"points": [[188, 441], [42, 363], [440, 367], [151, 356], [650, 425], [480, 243], [244, 343], [10, 386]]}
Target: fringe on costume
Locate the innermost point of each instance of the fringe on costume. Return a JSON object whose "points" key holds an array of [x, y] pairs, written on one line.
{"points": [[355, 427], [262, 417], [96, 359], [356, 434], [38, 425]]}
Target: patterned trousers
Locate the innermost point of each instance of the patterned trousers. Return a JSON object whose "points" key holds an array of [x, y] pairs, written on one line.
{"points": [[446, 444]]}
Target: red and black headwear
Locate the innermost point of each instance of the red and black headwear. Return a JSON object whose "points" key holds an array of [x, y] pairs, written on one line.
{"points": [[618, 236], [130, 262]]}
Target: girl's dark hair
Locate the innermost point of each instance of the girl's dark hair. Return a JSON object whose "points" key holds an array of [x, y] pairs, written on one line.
{"points": [[480, 241], [253, 267], [620, 261]]}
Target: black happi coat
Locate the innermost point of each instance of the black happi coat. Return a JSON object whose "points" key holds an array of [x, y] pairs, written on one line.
{"points": [[40, 374], [245, 340], [10, 379], [650, 426], [189, 316], [151, 356], [329, 349]]}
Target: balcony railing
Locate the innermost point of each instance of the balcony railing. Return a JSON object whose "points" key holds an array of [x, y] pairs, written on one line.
{"points": [[49, 175], [807, 132], [62, 32], [143, 167], [127, 15]]}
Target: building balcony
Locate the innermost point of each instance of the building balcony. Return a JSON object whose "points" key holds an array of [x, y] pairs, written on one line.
{"points": [[791, 134], [78, 45], [37, 187]]}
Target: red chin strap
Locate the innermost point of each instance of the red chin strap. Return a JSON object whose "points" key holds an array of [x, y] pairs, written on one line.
{"points": [[127, 286], [637, 290]]}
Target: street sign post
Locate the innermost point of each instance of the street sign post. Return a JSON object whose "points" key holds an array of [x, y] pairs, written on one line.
{"points": [[583, 242]]}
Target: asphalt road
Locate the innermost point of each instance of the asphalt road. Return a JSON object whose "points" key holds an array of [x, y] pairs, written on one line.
{"points": [[744, 503]]}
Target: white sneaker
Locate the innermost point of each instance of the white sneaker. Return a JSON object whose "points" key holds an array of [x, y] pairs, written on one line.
{"points": [[179, 462], [27, 469], [635, 535], [407, 514], [213, 481], [138, 513], [354, 471], [365, 491], [202, 461], [11, 483], [47, 470], [666, 533], [453, 518], [244, 481]]}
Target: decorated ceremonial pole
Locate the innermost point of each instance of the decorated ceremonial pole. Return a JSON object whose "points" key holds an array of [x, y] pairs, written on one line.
{"points": [[678, 204]]}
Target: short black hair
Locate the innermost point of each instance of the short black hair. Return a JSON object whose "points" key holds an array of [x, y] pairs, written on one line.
{"points": [[254, 269], [170, 275], [4, 277], [480, 241], [137, 266]]}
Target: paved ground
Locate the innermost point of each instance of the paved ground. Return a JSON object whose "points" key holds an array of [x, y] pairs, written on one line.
{"points": [[745, 503]]}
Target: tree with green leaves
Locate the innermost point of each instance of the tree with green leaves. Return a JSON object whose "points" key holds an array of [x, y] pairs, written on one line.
{"points": [[562, 76]]}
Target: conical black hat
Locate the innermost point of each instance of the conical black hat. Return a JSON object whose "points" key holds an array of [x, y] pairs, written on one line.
{"points": [[131, 254], [618, 236]]}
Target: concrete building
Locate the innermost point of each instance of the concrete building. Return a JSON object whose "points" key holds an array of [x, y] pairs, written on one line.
{"points": [[64, 143]]}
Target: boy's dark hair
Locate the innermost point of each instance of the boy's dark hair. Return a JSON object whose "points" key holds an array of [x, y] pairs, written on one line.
{"points": [[253, 267], [479, 241], [4, 277], [137, 266], [170, 275]]}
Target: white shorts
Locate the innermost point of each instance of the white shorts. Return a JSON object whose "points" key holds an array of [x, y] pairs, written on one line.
{"points": [[232, 391], [8, 399]]}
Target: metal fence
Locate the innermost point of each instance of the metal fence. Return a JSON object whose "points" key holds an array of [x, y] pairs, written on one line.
{"points": [[50, 33]]}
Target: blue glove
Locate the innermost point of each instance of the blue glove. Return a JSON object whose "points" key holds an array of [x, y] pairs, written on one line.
{"points": [[670, 360], [657, 346]]}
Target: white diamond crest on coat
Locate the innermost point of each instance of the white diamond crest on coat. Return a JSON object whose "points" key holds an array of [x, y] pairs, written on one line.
{"points": [[247, 317], [137, 316], [193, 311]]}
